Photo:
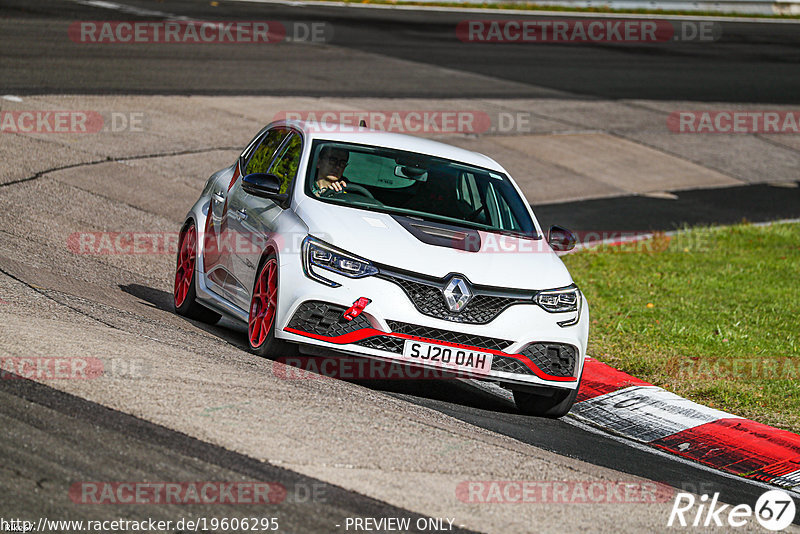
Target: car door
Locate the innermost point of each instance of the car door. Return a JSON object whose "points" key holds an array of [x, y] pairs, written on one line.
{"points": [[256, 158], [213, 268], [256, 217]]}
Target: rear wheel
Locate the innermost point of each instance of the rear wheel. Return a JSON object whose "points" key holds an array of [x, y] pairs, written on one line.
{"points": [[263, 308], [555, 406], [184, 293]]}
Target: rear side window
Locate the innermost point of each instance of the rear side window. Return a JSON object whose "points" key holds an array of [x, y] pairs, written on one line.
{"points": [[262, 156]]}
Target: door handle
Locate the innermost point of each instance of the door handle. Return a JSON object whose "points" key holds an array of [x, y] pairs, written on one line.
{"points": [[218, 196], [242, 214]]}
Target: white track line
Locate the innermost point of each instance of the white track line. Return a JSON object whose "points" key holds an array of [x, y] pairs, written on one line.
{"points": [[132, 10]]}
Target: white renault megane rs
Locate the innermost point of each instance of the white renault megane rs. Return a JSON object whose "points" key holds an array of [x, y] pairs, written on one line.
{"points": [[386, 246]]}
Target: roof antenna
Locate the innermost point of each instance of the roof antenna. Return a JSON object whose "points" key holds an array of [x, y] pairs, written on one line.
{"points": [[362, 124]]}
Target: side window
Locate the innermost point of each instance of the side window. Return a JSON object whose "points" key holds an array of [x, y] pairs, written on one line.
{"points": [[492, 208], [509, 222], [262, 156], [285, 167], [468, 191]]}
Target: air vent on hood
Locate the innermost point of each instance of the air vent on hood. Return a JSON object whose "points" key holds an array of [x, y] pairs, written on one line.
{"points": [[440, 234]]}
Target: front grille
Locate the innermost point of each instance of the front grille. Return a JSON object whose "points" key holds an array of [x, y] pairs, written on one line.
{"points": [[436, 334], [555, 359], [387, 343], [510, 365], [427, 297], [325, 319]]}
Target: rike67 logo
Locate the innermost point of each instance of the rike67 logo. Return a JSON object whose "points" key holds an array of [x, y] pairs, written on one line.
{"points": [[774, 510]]}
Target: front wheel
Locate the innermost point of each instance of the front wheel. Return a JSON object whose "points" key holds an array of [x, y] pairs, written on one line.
{"points": [[184, 293], [263, 309], [555, 406]]}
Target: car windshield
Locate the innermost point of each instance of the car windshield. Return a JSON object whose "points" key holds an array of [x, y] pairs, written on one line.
{"points": [[416, 185]]}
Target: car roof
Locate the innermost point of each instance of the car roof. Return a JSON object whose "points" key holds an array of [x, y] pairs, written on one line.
{"points": [[367, 136]]}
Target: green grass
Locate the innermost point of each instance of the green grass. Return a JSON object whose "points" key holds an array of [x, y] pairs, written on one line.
{"points": [[530, 6], [712, 314]]}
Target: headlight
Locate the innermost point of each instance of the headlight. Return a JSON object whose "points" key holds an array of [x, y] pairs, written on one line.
{"points": [[561, 301], [320, 254]]}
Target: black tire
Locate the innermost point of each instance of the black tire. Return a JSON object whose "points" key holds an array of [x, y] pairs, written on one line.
{"points": [[271, 347], [555, 406], [187, 305]]}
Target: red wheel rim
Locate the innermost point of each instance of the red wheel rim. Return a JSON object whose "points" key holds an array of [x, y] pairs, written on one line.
{"points": [[187, 252], [262, 307]]}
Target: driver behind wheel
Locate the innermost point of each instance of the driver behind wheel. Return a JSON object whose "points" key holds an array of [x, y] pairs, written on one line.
{"points": [[332, 162]]}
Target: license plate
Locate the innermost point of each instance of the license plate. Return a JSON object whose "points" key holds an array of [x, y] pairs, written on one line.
{"points": [[447, 357]]}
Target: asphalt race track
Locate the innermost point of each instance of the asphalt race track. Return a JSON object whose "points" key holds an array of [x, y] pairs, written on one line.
{"points": [[185, 401], [750, 62], [156, 453]]}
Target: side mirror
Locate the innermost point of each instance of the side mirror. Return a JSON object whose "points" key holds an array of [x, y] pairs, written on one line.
{"points": [[560, 239], [265, 186]]}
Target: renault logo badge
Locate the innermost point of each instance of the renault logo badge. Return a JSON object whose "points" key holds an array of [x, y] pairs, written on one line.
{"points": [[457, 294]]}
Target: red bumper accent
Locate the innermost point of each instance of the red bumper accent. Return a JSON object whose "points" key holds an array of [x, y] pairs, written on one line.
{"points": [[364, 333]]}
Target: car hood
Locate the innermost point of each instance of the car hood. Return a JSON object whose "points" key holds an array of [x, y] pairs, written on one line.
{"points": [[503, 261]]}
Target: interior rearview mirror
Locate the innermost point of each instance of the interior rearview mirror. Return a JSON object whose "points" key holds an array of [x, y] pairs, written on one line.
{"points": [[411, 173]]}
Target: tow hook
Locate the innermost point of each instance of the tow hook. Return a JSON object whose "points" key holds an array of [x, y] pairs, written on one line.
{"points": [[355, 310]]}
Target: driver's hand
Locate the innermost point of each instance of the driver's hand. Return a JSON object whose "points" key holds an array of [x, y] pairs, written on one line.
{"points": [[337, 185]]}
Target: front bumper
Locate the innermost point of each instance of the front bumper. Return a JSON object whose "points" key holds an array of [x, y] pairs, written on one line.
{"points": [[528, 346]]}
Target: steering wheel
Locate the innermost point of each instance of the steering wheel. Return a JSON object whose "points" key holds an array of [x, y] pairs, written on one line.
{"points": [[351, 188]]}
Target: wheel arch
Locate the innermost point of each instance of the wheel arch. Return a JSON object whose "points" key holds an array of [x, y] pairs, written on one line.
{"points": [[185, 226], [268, 250]]}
